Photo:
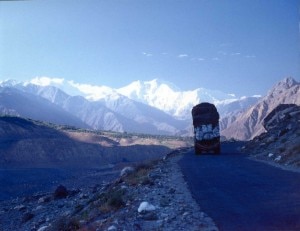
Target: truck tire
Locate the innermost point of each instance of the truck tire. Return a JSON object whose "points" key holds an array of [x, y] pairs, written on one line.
{"points": [[197, 151], [217, 150]]}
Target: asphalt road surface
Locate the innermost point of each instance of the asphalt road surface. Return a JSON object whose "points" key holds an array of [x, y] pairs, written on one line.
{"points": [[241, 194]]}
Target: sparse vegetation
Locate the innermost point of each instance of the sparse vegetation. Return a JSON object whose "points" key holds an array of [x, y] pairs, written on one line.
{"points": [[284, 140], [115, 196], [78, 208], [297, 148], [140, 175], [65, 224], [111, 200]]}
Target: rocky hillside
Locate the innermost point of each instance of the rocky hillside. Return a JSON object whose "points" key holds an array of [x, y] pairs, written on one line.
{"points": [[29, 143], [248, 124], [281, 143]]}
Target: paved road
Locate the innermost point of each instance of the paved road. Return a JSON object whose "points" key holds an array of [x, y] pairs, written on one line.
{"points": [[241, 194]]}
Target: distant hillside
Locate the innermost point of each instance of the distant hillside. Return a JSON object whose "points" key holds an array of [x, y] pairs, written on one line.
{"points": [[229, 112], [28, 143], [248, 124]]}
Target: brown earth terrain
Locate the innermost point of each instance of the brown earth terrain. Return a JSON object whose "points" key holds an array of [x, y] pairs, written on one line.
{"points": [[29, 143]]}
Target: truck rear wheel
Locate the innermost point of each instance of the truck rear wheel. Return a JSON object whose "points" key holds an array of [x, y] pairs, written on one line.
{"points": [[197, 150], [217, 150]]}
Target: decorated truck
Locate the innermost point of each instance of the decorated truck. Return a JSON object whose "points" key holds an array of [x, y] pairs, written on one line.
{"points": [[206, 128]]}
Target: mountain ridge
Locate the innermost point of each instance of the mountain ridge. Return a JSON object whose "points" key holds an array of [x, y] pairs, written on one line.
{"points": [[280, 144], [170, 99], [248, 124], [115, 112], [154, 107], [162, 95]]}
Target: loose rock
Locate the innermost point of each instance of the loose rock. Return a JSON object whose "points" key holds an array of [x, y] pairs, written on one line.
{"points": [[126, 171], [145, 206]]}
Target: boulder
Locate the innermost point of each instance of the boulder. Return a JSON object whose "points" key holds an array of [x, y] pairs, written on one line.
{"points": [[127, 170], [146, 207]]}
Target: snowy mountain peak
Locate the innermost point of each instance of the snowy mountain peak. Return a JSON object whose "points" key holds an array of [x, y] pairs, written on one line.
{"points": [[289, 81], [132, 91], [168, 98], [90, 92], [8, 83], [46, 81], [138, 89], [157, 93], [94, 92]]}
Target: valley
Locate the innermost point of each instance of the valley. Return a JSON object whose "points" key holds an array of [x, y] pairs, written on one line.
{"points": [[37, 156], [30, 143]]}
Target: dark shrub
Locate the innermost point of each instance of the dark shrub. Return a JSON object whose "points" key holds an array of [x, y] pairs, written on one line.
{"points": [[61, 192]]}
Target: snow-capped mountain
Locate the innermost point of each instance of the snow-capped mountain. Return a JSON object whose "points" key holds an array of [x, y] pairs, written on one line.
{"points": [[109, 111], [167, 98], [155, 93], [19, 103], [154, 106]]}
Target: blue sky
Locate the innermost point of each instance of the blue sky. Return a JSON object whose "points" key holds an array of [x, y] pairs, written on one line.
{"points": [[240, 47]]}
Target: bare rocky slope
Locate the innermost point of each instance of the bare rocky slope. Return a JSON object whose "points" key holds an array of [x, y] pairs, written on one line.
{"points": [[280, 144], [249, 124]]}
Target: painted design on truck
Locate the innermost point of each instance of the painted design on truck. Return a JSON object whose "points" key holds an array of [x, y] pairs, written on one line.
{"points": [[206, 132]]}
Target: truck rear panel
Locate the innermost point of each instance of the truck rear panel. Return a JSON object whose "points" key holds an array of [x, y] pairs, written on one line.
{"points": [[206, 128]]}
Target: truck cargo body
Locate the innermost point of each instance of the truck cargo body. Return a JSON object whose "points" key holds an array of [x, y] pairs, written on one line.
{"points": [[206, 128]]}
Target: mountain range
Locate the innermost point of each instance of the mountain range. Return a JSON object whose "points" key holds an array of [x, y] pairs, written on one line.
{"points": [[153, 107]]}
